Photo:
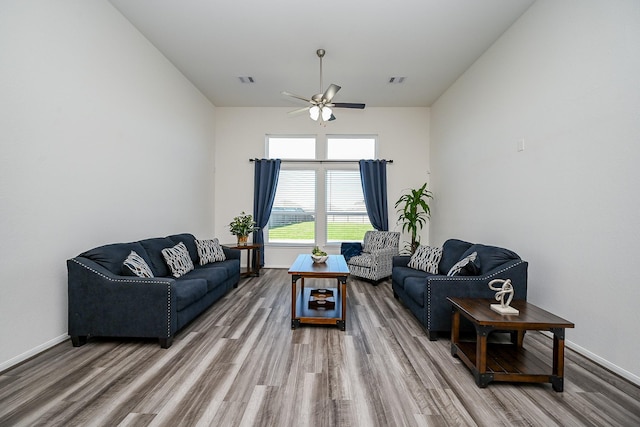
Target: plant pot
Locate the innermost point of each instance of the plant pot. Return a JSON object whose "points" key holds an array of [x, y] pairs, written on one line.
{"points": [[242, 240]]}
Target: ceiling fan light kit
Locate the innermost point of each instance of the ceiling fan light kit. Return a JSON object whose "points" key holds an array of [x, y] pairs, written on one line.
{"points": [[321, 107]]}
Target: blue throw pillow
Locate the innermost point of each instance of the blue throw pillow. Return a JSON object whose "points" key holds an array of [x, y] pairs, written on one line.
{"points": [[350, 249]]}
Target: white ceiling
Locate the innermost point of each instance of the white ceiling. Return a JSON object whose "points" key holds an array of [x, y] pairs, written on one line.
{"points": [[430, 42]]}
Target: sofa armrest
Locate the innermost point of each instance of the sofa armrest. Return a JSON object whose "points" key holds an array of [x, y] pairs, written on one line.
{"points": [[440, 287], [230, 253], [401, 260], [104, 304]]}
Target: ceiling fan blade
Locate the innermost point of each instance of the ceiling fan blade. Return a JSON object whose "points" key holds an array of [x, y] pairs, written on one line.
{"points": [[293, 95], [330, 93], [348, 105], [299, 110]]}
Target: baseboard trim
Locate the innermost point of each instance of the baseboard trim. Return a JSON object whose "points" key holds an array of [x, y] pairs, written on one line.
{"points": [[599, 360], [32, 353]]}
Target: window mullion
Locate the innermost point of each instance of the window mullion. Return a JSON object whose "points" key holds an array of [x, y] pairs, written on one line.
{"points": [[321, 206]]}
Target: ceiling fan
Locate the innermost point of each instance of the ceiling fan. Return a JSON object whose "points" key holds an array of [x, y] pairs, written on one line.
{"points": [[320, 105]]}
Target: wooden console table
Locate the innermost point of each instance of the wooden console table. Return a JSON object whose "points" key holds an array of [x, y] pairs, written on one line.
{"points": [[253, 257], [507, 362]]}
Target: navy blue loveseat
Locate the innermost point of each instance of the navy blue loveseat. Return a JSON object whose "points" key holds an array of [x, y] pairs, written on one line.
{"points": [[425, 294], [105, 302]]}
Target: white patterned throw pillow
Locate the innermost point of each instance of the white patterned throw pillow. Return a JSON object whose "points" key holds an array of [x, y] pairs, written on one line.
{"points": [[464, 262], [426, 258], [209, 251], [136, 265], [178, 259]]}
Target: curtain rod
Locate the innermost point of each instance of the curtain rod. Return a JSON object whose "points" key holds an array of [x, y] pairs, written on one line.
{"points": [[320, 161]]}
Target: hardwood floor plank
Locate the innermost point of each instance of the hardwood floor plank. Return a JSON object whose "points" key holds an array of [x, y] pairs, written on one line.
{"points": [[240, 364]]}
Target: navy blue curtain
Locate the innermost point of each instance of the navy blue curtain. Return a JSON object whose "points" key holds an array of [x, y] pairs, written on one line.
{"points": [[265, 182], [373, 174]]}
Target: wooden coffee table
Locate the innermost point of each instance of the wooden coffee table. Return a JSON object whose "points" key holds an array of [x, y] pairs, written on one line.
{"points": [[334, 268], [507, 362]]}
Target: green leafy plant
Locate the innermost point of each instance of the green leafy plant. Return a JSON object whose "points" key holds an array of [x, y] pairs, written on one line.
{"points": [[318, 252], [414, 212], [242, 225]]}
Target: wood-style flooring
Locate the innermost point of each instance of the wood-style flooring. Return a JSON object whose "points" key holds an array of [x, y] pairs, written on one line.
{"points": [[240, 364]]}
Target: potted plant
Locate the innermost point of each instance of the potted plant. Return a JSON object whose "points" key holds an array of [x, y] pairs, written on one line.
{"points": [[414, 213], [241, 226]]}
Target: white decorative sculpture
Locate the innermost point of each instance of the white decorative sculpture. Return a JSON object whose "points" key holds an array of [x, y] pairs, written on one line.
{"points": [[506, 290]]}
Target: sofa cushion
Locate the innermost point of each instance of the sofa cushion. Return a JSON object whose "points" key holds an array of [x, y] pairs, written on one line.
{"points": [[232, 266], [135, 265], [189, 291], [491, 257], [400, 275], [189, 241], [467, 266], [112, 256], [154, 249], [178, 259], [426, 258], [214, 274], [209, 251], [452, 251]]}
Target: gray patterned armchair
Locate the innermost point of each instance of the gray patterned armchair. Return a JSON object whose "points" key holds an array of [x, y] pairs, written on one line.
{"points": [[375, 262]]}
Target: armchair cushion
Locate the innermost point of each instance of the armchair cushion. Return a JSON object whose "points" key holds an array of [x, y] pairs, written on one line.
{"points": [[365, 260]]}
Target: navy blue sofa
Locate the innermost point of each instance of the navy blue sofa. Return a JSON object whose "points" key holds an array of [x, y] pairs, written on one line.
{"points": [[104, 302], [425, 294]]}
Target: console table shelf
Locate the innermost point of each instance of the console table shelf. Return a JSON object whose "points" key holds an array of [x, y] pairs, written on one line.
{"points": [[507, 362]]}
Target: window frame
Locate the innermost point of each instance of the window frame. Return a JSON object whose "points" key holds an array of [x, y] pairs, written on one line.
{"points": [[321, 164]]}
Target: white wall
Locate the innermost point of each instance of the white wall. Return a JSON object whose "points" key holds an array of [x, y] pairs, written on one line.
{"points": [[564, 78], [403, 135], [102, 140]]}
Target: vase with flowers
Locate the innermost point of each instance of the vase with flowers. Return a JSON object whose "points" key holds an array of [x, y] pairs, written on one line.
{"points": [[241, 226]]}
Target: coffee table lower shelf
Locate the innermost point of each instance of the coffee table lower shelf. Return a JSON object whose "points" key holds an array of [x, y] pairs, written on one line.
{"points": [[306, 315], [506, 362]]}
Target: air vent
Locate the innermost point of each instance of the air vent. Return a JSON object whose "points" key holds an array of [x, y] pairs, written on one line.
{"points": [[396, 80], [246, 79]]}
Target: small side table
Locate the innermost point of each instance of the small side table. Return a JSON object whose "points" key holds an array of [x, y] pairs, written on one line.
{"points": [[253, 257]]}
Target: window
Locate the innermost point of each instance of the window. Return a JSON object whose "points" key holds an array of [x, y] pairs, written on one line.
{"points": [[319, 202], [346, 214], [350, 148], [292, 217]]}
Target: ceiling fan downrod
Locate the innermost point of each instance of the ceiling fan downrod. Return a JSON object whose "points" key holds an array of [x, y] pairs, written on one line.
{"points": [[320, 53]]}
